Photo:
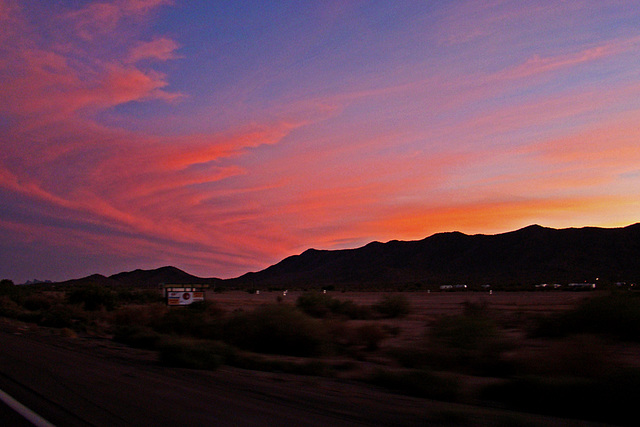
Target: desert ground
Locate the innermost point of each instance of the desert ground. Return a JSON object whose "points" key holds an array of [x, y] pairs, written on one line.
{"points": [[87, 379]]}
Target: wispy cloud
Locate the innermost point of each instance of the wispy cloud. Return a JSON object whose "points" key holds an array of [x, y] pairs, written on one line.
{"points": [[98, 18], [48, 77], [162, 49], [226, 147], [613, 146], [538, 64]]}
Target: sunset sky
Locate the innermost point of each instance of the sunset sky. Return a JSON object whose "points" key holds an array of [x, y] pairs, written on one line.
{"points": [[223, 136]]}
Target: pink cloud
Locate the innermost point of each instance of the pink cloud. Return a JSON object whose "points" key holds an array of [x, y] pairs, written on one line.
{"points": [[613, 146], [57, 78], [86, 174], [125, 84], [8, 15], [147, 186], [539, 65], [333, 175], [100, 18], [162, 49], [200, 149], [467, 21]]}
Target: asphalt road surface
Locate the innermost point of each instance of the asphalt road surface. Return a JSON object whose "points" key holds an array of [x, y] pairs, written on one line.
{"points": [[80, 386], [9, 417]]}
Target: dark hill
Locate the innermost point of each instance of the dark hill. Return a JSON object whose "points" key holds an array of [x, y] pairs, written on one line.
{"points": [[168, 275], [530, 255], [94, 279], [527, 256], [143, 278]]}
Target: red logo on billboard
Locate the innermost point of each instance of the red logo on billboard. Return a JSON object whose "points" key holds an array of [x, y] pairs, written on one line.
{"points": [[186, 296]]}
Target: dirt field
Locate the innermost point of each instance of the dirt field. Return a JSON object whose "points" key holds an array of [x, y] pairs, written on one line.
{"points": [[424, 304], [116, 381], [512, 310]]}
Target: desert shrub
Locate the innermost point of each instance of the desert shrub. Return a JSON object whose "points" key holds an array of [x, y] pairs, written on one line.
{"points": [[355, 311], [37, 302], [392, 306], [194, 353], [393, 330], [580, 356], [469, 341], [611, 399], [475, 308], [200, 320], [417, 382], [68, 333], [338, 331], [181, 321], [93, 297], [276, 329], [411, 356], [463, 331], [138, 336], [615, 315], [63, 316], [7, 288], [141, 315], [316, 304], [210, 308], [14, 292], [322, 305], [9, 308], [6, 283], [369, 336], [138, 296]]}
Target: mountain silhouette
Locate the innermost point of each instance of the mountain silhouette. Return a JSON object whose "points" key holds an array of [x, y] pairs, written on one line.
{"points": [[531, 255], [166, 275], [143, 278]]}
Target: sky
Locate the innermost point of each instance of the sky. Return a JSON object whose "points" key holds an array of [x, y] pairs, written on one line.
{"points": [[221, 136]]}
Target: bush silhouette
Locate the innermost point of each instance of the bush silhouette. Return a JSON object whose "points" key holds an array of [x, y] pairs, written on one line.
{"points": [[322, 305], [391, 306], [276, 329], [37, 302], [469, 342], [615, 315], [93, 297], [193, 353]]}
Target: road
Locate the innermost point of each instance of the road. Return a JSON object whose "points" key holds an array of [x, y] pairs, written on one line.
{"points": [[80, 385], [9, 417]]}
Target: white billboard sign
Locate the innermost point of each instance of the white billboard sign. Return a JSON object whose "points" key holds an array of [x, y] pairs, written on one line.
{"points": [[184, 297]]}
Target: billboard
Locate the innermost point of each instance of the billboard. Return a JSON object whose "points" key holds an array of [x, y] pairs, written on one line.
{"points": [[184, 296]]}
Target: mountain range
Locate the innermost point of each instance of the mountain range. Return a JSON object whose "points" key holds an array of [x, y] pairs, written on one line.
{"points": [[530, 255]]}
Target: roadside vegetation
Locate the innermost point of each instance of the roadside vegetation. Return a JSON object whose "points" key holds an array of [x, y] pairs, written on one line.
{"points": [[565, 363]]}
